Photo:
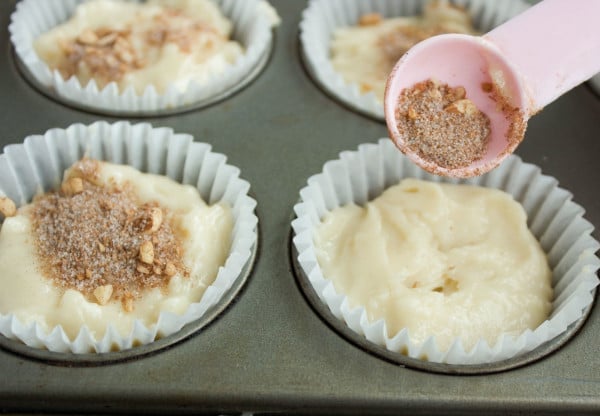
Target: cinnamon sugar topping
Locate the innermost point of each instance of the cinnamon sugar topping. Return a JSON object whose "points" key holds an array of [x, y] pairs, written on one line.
{"points": [[101, 241], [438, 18], [108, 54], [441, 125], [397, 42], [183, 31]]}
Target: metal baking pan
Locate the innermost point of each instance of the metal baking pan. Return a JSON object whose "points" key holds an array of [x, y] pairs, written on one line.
{"points": [[270, 351]]}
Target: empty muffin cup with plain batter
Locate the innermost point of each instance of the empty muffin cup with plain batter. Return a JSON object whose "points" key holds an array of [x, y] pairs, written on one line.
{"points": [[557, 223]]}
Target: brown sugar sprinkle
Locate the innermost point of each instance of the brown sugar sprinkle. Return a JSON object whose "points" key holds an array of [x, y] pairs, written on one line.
{"points": [[397, 42], [184, 33], [441, 125], [437, 18], [107, 54], [102, 242]]}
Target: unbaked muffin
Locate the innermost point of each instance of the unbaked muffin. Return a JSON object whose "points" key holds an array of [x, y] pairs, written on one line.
{"points": [[412, 243], [112, 257], [133, 58]]}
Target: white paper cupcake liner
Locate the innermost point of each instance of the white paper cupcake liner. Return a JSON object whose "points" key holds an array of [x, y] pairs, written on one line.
{"points": [[322, 17], [38, 165], [553, 218], [252, 23]]}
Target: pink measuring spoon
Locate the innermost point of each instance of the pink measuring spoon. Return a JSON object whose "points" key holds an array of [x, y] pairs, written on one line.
{"points": [[531, 60]]}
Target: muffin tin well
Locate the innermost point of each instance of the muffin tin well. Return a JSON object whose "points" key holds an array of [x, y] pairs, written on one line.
{"points": [[271, 351]]}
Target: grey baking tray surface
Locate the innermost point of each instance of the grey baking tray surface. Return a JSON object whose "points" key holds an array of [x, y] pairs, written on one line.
{"points": [[270, 351]]}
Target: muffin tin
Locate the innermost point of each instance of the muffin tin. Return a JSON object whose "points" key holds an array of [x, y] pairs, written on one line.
{"points": [[270, 351]]}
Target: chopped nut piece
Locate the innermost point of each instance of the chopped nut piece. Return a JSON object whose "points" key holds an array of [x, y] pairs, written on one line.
{"points": [[111, 61], [103, 294], [107, 39], [435, 94], [142, 269], [103, 31], [421, 87], [156, 219], [463, 107], [157, 270], [147, 252], [170, 269], [65, 45], [128, 304], [101, 247], [412, 113], [86, 169], [87, 37], [126, 56], [88, 273], [369, 19], [7, 207], [365, 87], [460, 92], [72, 186]]}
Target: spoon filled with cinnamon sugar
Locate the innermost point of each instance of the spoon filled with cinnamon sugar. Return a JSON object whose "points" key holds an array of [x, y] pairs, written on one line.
{"points": [[457, 105]]}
